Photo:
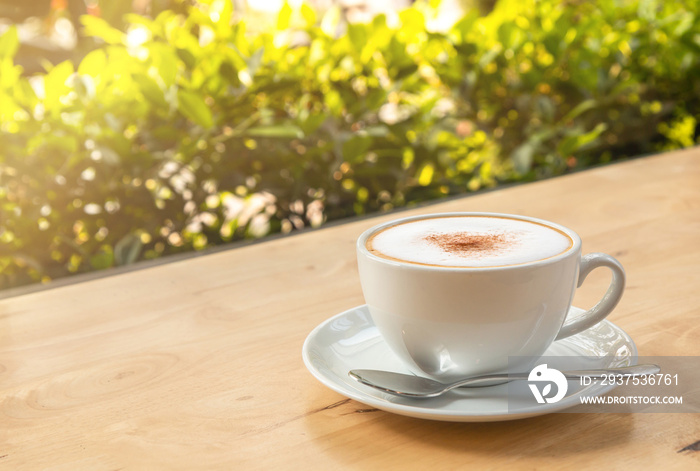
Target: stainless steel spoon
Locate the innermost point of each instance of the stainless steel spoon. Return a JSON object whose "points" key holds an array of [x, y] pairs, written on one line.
{"points": [[416, 386]]}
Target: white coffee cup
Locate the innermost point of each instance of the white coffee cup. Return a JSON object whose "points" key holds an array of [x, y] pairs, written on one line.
{"points": [[449, 322]]}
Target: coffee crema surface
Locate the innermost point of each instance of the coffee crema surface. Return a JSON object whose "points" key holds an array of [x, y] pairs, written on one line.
{"points": [[469, 241]]}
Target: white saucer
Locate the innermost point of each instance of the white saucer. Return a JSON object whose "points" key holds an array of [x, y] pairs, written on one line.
{"points": [[350, 340]]}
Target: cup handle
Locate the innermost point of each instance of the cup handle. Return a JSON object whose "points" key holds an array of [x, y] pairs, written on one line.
{"points": [[610, 299]]}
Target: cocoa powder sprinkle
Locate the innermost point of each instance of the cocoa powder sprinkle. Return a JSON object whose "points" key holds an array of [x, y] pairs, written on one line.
{"points": [[468, 244]]}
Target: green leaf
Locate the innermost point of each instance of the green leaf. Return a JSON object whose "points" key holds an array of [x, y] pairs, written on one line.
{"points": [[55, 84], [464, 26], [166, 61], [375, 131], [9, 73], [571, 144], [647, 9], [229, 73], [358, 35], [53, 143], [412, 21], [223, 25], [282, 131], [136, 19], [355, 148], [127, 250], [284, 17], [113, 12], [194, 107], [313, 122], [93, 63], [8, 107], [309, 14], [506, 34], [254, 61], [24, 93], [102, 259], [150, 89], [9, 43], [425, 175], [99, 28], [579, 109], [489, 56], [522, 157], [187, 57], [685, 24]]}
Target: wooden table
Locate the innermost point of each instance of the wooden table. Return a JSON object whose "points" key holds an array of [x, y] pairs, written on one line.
{"points": [[197, 364]]}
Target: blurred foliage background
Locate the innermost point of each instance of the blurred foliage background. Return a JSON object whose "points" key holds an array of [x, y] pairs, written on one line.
{"points": [[188, 126]]}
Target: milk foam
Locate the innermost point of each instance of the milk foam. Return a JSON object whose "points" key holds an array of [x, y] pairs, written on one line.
{"points": [[515, 241]]}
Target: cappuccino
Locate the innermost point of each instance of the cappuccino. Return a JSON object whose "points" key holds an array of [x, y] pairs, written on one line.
{"points": [[469, 241]]}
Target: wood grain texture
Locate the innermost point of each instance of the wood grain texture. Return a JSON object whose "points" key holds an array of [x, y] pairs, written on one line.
{"points": [[197, 364]]}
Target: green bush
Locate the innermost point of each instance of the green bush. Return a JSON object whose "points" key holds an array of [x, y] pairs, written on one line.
{"points": [[185, 131]]}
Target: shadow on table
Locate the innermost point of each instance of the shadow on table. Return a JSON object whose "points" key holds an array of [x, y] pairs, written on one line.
{"points": [[551, 435], [554, 435]]}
